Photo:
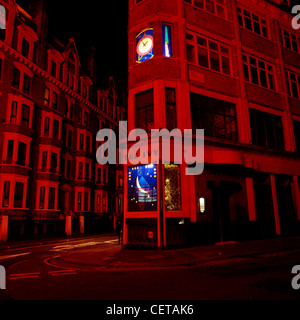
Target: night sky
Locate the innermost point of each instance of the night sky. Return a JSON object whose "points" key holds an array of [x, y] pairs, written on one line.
{"points": [[102, 24]]}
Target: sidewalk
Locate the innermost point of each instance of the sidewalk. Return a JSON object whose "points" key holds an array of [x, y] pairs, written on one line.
{"points": [[114, 257]]}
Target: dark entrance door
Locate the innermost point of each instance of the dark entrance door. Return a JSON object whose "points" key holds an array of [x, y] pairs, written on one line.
{"points": [[221, 194], [287, 214]]}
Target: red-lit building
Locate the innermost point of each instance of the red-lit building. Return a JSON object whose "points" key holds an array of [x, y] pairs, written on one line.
{"points": [[50, 112], [232, 68]]}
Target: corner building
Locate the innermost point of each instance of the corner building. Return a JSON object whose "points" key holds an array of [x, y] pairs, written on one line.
{"points": [[231, 68], [51, 110]]}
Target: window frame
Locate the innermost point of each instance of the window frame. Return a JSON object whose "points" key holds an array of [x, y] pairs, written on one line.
{"points": [[193, 40], [246, 60]]}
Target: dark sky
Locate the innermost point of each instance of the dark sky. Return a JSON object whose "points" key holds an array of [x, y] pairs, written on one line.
{"points": [[102, 24]]}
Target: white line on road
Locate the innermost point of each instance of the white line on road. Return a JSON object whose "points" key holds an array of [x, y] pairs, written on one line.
{"points": [[18, 276], [14, 255], [80, 245]]}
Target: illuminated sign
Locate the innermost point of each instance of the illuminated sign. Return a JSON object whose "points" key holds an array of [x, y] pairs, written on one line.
{"points": [[144, 45], [167, 41], [142, 188]]}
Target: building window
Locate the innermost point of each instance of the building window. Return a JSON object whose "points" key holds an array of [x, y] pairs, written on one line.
{"points": [[252, 22], [86, 117], [16, 78], [170, 108], [104, 203], [216, 7], [81, 138], [26, 84], [104, 175], [42, 198], [80, 167], [266, 129], [80, 115], [18, 200], [167, 41], [53, 68], [51, 204], [44, 161], [289, 40], [10, 150], [145, 110], [25, 48], [86, 201], [47, 97], [259, 72], [98, 202], [216, 117], [25, 115], [70, 138], [13, 114], [208, 54], [293, 84], [53, 163], [296, 125], [55, 129], [51, 98], [99, 175], [172, 187], [79, 200], [87, 171], [6, 190], [46, 128], [22, 154], [54, 100]]}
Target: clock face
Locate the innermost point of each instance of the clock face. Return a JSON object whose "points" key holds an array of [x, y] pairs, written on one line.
{"points": [[145, 45]]}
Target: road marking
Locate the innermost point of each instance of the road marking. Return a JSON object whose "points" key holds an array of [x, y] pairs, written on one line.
{"points": [[14, 256], [80, 245], [18, 276]]}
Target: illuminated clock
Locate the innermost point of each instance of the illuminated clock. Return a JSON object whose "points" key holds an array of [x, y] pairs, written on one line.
{"points": [[145, 45]]}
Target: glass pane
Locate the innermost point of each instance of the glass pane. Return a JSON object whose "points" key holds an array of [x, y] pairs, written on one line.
{"points": [[254, 75], [210, 6], [199, 3], [263, 78], [214, 61], [190, 55], [172, 187], [202, 57], [225, 65]]}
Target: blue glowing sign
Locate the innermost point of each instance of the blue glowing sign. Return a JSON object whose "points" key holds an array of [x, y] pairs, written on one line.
{"points": [[142, 188], [144, 45], [167, 41]]}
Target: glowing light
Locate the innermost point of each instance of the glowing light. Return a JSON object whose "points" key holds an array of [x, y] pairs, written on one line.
{"points": [[202, 205]]}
